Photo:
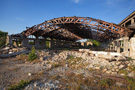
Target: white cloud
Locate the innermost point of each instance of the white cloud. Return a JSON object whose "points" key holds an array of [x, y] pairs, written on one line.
{"points": [[76, 1]]}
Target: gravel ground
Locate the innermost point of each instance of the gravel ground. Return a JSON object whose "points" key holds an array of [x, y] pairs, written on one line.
{"points": [[13, 71]]}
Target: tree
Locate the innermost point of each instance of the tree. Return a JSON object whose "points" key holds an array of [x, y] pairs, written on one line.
{"points": [[3, 36]]}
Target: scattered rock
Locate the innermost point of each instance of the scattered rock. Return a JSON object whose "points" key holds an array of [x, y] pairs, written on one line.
{"points": [[122, 74], [41, 59], [119, 84], [121, 66], [131, 74], [29, 74], [97, 68]]}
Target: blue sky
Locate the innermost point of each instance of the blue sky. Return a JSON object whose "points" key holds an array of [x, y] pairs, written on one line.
{"points": [[16, 15]]}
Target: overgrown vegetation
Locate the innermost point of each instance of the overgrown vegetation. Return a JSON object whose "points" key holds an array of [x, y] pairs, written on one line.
{"points": [[73, 81], [129, 58], [132, 68], [123, 71], [71, 60], [19, 86], [3, 36], [32, 54], [95, 42], [130, 83]]}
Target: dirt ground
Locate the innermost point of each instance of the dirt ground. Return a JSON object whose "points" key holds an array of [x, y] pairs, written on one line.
{"points": [[13, 71]]}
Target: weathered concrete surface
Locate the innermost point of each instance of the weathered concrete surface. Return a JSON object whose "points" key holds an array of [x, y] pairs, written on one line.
{"points": [[132, 47], [101, 52], [13, 54]]}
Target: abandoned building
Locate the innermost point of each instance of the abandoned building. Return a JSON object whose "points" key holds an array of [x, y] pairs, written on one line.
{"points": [[65, 31]]}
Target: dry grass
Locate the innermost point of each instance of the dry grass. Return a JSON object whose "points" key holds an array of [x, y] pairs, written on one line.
{"points": [[23, 57], [74, 81]]}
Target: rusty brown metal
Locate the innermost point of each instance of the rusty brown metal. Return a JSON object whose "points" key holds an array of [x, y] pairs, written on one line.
{"points": [[76, 28]]}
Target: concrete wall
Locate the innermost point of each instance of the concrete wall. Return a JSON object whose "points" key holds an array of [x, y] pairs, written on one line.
{"points": [[38, 43], [63, 44]]}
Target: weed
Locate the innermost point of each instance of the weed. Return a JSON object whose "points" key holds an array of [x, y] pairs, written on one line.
{"points": [[70, 57], [130, 83], [79, 87], [132, 68], [21, 57], [19, 86], [106, 83], [130, 58], [55, 77], [123, 71], [56, 65]]}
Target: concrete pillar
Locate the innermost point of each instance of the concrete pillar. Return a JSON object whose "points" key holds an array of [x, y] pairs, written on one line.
{"points": [[115, 47], [25, 42], [132, 47], [124, 25], [125, 47], [110, 48], [121, 43], [132, 21], [37, 43], [10, 40], [118, 46], [52, 44], [113, 43], [7, 39], [44, 43]]}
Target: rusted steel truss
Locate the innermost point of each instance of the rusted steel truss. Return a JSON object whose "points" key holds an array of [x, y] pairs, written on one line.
{"points": [[76, 28]]}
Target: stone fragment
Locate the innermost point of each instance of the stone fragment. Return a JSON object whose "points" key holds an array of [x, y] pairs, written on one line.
{"points": [[41, 59], [29, 74], [97, 68], [120, 58], [122, 74], [119, 84], [121, 66], [132, 74]]}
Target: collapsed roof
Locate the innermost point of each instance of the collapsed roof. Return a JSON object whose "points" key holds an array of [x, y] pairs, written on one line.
{"points": [[76, 28]]}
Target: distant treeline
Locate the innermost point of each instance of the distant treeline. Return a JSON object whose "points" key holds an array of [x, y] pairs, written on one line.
{"points": [[3, 36]]}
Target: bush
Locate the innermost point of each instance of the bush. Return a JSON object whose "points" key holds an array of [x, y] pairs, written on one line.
{"points": [[32, 55]]}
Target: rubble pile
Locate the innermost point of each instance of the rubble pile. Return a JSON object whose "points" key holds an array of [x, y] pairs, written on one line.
{"points": [[107, 63], [11, 49]]}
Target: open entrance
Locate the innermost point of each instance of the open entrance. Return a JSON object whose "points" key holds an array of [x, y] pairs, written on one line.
{"points": [[48, 44]]}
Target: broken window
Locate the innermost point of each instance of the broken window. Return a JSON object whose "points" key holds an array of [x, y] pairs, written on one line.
{"points": [[40, 37], [31, 42], [31, 36], [41, 42]]}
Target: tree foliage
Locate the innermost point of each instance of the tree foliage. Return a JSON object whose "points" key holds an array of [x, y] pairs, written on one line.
{"points": [[32, 55], [3, 36], [95, 42]]}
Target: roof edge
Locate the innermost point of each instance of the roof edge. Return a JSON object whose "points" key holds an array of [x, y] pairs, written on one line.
{"points": [[127, 17]]}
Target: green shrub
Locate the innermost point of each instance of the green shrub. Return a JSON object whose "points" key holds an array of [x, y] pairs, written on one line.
{"points": [[130, 58], [32, 55], [19, 86], [106, 83], [3, 36]]}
